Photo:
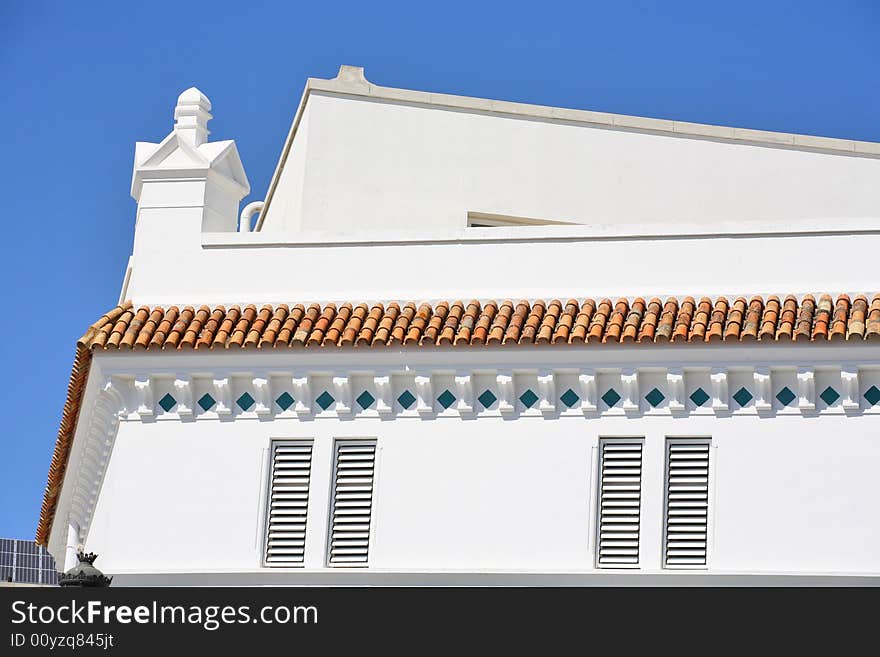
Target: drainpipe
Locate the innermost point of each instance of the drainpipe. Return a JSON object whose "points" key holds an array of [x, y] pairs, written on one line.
{"points": [[244, 221], [72, 547]]}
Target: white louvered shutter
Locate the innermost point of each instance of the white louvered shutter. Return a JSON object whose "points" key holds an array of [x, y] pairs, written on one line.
{"points": [[288, 503], [620, 491], [352, 503], [687, 503]]}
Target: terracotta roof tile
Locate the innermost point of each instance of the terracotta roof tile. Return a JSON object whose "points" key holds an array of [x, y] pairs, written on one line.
{"points": [[683, 319], [769, 319], [733, 323], [752, 322], [633, 321], [806, 313], [856, 324], [838, 320], [667, 321], [648, 327], [614, 325], [872, 326], [491, 323]]}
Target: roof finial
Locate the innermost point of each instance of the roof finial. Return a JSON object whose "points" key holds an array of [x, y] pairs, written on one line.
{"points": [[191, 116]]}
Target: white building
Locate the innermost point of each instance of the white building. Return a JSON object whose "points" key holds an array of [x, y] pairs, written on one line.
{"points": [[467, 341]]}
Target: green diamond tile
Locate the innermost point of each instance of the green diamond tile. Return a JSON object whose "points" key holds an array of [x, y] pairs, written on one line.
{"points": [[325, 400], [699, 397], [285, 400], [528, 398], [610, 397], [655, 398], [167, 402], [742, 396], [872, 394], [207, 402], [365, 399], [245, 401], [446, 399], [487, 398], [785, 396], [406, 399], [569, 398], [829, 395]]}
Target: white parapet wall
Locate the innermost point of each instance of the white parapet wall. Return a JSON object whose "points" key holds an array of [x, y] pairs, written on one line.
{"points": [[370, 162]]}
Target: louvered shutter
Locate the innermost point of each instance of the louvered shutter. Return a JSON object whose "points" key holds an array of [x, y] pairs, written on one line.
{"points": [[620, 491], [352, 503], [687, 503], [288, 503]]}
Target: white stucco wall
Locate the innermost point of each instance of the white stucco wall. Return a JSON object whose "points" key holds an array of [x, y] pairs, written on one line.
{"points": [[792, 488], [380, 164], [789, 495], [248, 269]]}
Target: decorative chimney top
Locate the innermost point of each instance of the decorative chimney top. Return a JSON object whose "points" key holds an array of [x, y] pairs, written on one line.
{"points": [[191, 116], [84, 573]]}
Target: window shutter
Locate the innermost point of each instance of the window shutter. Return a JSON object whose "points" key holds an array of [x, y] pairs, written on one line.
{"points": [[352, 503], [288, 503], [620, 482], [687, 502]]}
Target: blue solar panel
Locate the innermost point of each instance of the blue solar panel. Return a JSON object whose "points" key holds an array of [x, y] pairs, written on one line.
{"points": [[26, 562]]}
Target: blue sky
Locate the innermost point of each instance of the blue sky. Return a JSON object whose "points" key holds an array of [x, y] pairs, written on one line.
{"points": [[83, 81]]}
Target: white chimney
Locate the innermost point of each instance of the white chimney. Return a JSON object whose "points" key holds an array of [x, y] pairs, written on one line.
{"points": [[184, 186]]}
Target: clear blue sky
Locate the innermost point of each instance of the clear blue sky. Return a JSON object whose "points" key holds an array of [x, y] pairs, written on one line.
{"points": [[82, 81]]}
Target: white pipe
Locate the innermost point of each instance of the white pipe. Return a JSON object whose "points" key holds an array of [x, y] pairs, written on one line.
{"points": [[72, 547], [244, 221]]}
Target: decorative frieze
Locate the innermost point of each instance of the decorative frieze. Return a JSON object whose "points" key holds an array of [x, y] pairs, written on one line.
{"points": [[548, 393]]}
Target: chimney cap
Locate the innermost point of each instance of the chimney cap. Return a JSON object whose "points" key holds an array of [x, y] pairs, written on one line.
{"points": [[193, 96]]}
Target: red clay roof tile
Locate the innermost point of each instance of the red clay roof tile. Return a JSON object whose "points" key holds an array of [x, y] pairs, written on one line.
{"points": [[475, 323]]}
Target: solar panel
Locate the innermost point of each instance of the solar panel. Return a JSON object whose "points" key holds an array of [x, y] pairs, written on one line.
{"points": [[26, 562]]}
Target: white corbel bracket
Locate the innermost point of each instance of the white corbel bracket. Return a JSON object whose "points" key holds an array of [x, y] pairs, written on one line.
{"points": [[302, 393], [183, 394], [849, 379], [506, 391], [806, 389], [629, 380], [547, 393], [262, 397], [223, 397], [342, 394], [763, 390], [720, 392], [587, 384], [464, 391], [424, 395], [675, 390], [384, 403], [143, 387]]}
